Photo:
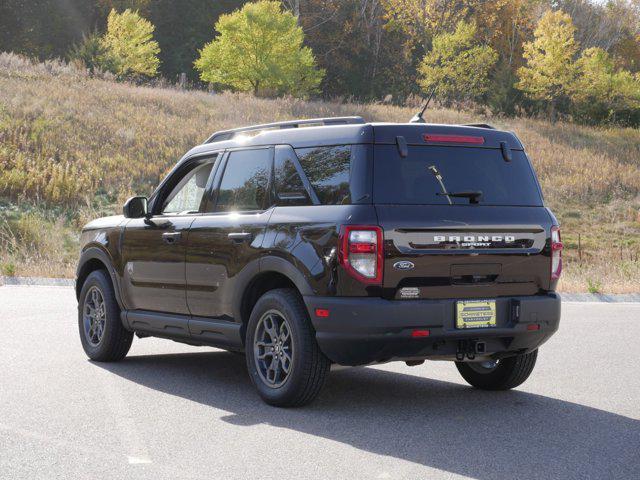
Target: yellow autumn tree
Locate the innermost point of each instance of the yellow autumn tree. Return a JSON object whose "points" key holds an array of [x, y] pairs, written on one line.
{"points": [[259, 48], [550, 68], [129, 45], [457, 66]]}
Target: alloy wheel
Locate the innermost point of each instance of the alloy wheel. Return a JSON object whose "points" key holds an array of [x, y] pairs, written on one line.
{"points": [[273, 349], [94, 315]]}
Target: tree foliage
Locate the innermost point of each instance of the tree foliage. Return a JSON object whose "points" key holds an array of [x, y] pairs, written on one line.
{"points": [[129, 45], [424, 19], [457, 66], [550, 68], [602, 92], [260, 48]]}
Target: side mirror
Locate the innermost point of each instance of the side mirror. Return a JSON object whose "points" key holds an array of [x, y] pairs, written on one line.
{"points": [[135, 207]]}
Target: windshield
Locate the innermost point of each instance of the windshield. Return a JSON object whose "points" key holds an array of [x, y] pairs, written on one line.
{"points": [[436, 175]]}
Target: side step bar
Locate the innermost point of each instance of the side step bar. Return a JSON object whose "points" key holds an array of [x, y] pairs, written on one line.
{"points": [[215, 332]]}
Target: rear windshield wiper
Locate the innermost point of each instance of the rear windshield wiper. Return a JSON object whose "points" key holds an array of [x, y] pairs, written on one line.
{"points": [[436, 173], [473, 196]]}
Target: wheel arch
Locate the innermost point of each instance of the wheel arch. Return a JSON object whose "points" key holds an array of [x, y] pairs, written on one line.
{"points": [[92, 259], [273, 273]]}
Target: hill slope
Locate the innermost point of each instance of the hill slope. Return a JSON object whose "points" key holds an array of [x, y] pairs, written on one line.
{"points": [[73, 147]]}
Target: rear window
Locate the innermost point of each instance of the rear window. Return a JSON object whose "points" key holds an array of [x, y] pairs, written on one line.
{"points": [[428, 172]]}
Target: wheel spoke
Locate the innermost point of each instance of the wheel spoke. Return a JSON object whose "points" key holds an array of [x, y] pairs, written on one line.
{"points": [[264, 349], [284, 332], [272, 328], [286, 362], [275, 368]]}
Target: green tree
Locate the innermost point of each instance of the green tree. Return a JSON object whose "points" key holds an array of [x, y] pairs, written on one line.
{"points": [[601, 92], [457, 66], [130, 46], [550, 68], [91, 54], [259, 48]]}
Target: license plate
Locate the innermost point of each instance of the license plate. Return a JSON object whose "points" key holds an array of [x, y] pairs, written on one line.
{"points": [[475, 313]]}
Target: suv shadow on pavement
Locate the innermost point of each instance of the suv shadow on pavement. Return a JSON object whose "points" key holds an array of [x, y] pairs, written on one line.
{"points": [[438, 424]]}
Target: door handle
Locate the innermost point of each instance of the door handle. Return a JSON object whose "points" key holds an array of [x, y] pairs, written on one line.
{"points": [[171, 237], [239, 237]]}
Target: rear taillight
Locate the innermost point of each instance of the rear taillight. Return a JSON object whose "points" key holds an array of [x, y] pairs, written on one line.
{"points": [[556, 253], [361, 252]]}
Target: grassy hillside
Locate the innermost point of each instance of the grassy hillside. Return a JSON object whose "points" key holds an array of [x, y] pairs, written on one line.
{"points": [[74, 147]]}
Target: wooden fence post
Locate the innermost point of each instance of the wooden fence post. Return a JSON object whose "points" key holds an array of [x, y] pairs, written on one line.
{"points": [[579, 248]]}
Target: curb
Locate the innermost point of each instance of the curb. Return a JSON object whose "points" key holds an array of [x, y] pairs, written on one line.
{"points": [[37, 281], [601, 297], [566, 297]]}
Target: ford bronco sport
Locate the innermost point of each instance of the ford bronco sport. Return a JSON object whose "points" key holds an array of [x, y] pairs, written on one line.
{"points": [[333, 240]]}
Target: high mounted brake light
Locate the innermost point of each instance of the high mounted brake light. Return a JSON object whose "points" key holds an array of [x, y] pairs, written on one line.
{"points": [[361, 252], [556, 253], [441, 138]]}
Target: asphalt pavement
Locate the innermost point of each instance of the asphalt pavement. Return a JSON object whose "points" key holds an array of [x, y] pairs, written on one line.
{"points": [[178, 412]]}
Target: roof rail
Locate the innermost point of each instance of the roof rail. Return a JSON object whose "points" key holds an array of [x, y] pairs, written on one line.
{"points": [[229, 134], [479, 125]]}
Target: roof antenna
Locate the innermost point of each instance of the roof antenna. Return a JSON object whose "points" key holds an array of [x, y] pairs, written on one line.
{"points": [[417, 118]]}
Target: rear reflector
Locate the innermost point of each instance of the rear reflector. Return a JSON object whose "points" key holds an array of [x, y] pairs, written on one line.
{"points": [[556, 253], [420, 333], [533, 326], [428, 137], [322, 312]]}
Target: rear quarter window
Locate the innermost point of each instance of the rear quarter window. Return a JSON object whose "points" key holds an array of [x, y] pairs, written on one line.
{"points": [[414, 181], [339, 175]]}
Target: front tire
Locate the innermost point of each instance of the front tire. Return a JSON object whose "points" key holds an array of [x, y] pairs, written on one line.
{"points": [[505, 374], [103, 337], [283, 358]]}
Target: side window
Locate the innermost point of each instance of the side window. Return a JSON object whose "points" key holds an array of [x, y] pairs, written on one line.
{"points": [[187, 194], [244, 181], [289, 187], [327, 169]]}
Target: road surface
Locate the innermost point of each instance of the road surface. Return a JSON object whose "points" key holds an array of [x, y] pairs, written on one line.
{"points": [[173, 411]]}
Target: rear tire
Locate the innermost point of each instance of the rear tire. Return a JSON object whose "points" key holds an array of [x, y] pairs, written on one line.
{"points": [[284, 360], [508, 373], [103, 337]]}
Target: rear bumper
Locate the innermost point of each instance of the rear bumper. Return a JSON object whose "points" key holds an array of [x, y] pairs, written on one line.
{"points": [[362, 330]]}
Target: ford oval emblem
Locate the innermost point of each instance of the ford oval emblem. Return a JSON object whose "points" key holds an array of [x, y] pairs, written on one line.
{"points": [[403, 265]]}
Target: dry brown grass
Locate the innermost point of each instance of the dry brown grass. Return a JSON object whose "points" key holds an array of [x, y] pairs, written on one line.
{"points": [[78, 145]]}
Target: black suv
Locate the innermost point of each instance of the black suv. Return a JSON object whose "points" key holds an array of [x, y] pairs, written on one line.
{"points": [[333, 240]]}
